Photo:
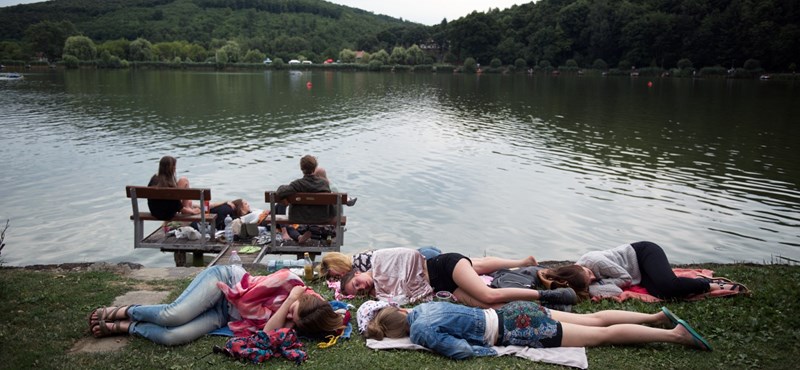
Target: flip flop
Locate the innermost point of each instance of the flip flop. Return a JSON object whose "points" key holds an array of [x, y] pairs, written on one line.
{"points": [[671, 316], [698, 340]]}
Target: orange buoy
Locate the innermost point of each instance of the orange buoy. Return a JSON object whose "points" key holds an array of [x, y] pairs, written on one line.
{"points": [[649, 83], [308, 84]]}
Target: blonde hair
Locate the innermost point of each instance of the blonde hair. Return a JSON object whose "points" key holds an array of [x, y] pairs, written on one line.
{"points": [[390, 322], [335, 261]]}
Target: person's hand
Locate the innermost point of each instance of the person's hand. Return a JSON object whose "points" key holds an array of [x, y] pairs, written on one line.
{"points": [[297, 292]]}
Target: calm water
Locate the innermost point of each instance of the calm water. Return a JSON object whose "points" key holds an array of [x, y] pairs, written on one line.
{"points": [[498, 165]]}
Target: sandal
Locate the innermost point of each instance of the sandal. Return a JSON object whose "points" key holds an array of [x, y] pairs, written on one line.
{"points": [[105, 331], [106, 314], [728, 284]]}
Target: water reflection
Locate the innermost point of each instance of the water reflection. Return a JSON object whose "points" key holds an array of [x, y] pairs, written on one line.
{"points": [[504, 165]]}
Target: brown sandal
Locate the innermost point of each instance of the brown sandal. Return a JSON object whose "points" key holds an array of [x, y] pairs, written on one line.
{"points": [[106, 314], [105, 331]]}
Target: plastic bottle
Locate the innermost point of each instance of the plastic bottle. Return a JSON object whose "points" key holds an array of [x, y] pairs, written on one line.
{"points": [[235, 260], [228, 229], [308, 267]]}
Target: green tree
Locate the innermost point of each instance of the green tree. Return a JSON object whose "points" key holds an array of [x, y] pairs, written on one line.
{"points": [[571, 64], [752, 64], [496, 63], [398, 55], [118, 47], [278, 63], [415, 55], [684, 63], [347, 56], [600, 64], [221, 57], [232, 51], [81, 47], [70, 61], [375, 65], [49, 38], [381, 56], [470, 65], [140, 50], [520, 64], [11, 50], [253, 56]]}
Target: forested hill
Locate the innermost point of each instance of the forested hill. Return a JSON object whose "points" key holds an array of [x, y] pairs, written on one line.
{"points": [[574, 33], [301, 24]]}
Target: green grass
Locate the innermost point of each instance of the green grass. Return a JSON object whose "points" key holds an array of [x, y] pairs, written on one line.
{"points": [[42, 314]]}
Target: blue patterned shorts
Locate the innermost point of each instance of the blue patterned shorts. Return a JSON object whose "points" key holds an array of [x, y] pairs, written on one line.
{"points": [[528, 324]]}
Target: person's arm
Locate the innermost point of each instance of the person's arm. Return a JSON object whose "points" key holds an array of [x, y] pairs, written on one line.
{"points": [[278, 318]]}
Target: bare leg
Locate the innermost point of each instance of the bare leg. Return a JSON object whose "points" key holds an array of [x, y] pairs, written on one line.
{"points": [[471, 285], [610, 317], [188, 207], [592, 336], [487, 265]]}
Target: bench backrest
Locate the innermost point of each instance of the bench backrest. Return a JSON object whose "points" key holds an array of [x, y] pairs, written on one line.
{"points": [[148, 192], [314, 199]]}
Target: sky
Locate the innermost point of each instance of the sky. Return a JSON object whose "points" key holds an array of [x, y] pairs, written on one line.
{"points": [[428, 12]]}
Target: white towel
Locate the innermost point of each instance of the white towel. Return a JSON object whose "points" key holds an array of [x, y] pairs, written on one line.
{"points": [[567, 356]]}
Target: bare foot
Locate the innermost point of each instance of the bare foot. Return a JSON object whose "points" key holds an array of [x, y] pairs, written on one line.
{"points": [[108, 314], [304, 238], [109, 328], [531, 261], [685, 337]]}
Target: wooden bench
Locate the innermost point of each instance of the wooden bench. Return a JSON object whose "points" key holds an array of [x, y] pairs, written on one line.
{"points": [[315, 199], [158, 238]]}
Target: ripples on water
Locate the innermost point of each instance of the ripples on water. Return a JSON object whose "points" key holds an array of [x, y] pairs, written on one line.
{"points": [[491, 165]]}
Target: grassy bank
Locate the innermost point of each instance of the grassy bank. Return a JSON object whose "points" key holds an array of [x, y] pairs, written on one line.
{"points": [[43, 313]]}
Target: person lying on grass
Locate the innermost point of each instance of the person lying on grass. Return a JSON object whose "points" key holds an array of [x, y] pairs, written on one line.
{"points": [[220, 296], [461, 332], [334, 265], [610, 271], [402, 274]]}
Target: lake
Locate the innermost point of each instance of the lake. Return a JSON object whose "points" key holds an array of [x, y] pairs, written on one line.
{"points": [[510, 165]]}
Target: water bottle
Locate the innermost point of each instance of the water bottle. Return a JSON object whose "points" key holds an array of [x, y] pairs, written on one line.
{"points": [[228, 229], [308, 267], [235, 260]]}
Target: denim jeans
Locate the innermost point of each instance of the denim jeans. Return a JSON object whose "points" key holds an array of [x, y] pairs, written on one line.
{"points": [[429, 252], [200, 309]]}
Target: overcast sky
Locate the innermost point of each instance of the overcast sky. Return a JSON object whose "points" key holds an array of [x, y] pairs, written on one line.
{"points": [[427, 12]]}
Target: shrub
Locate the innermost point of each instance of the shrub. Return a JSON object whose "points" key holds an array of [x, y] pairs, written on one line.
{"points": [[684, 63], [71, 61], [752, 64], [496, 63], [278, 63], [520, 64], [470, 65], [375, 65], [600, 64], [714, 71]]}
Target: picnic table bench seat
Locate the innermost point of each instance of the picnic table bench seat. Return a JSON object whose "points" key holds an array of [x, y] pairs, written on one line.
{"points": [[159, 238], [314, 248]]}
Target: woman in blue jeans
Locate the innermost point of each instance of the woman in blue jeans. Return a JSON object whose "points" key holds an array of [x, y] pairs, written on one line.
{"points": [[461, 332], [202, 308]]}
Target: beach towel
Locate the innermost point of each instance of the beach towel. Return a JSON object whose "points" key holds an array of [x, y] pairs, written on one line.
{"points": [[640, 293], [566, 356]]}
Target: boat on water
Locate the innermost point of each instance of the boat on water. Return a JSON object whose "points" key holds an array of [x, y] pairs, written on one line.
{"points": [[11, 76]]}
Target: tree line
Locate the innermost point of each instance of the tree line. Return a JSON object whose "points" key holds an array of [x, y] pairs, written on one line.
{"points": [[663, 34]]}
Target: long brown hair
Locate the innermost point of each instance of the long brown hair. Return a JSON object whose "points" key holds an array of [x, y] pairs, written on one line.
{"points": [[571, 276], [317, 316], [239, 204], [166, 172], [389, 323]]}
